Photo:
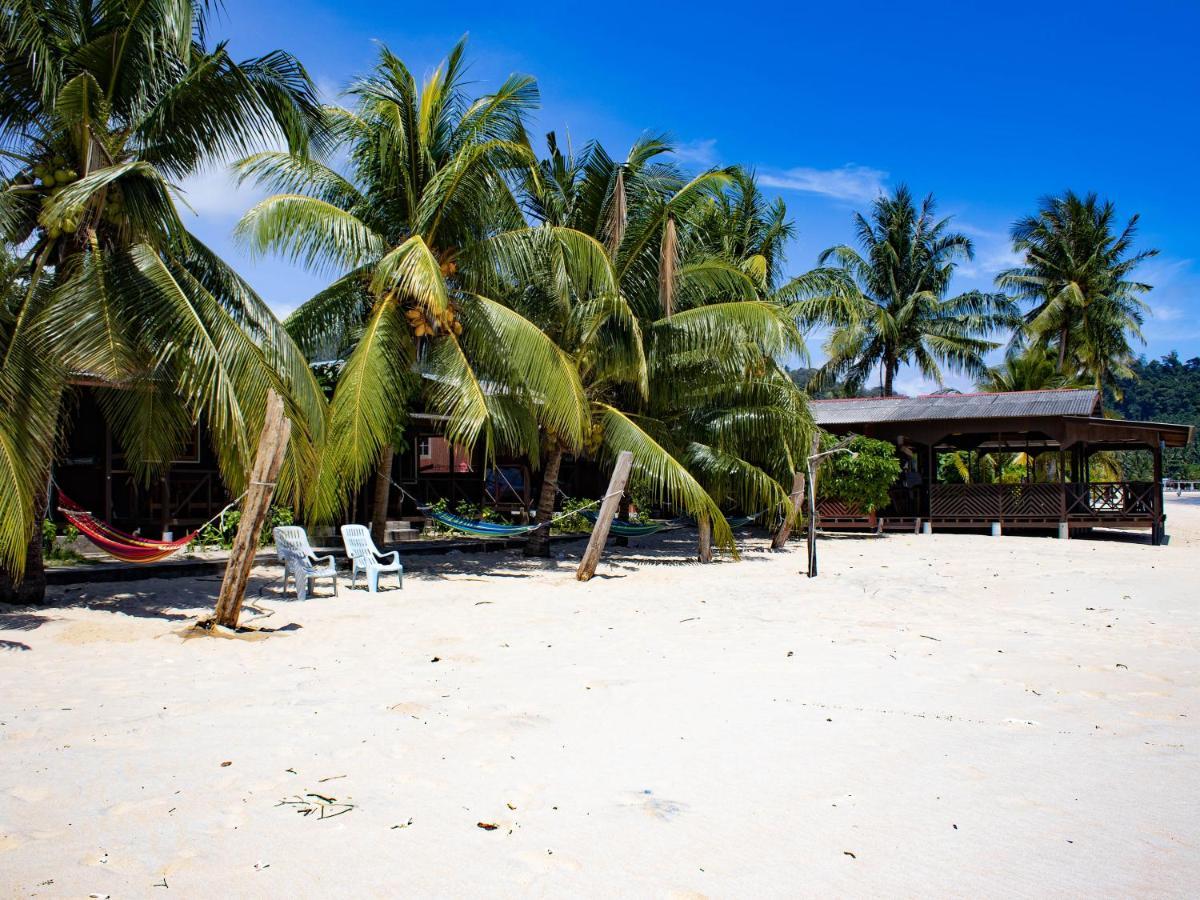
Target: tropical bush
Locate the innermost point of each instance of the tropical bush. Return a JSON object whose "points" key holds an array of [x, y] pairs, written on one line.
{"points": [[464, 509], [863, 480], [59, 548], [220, 534]]}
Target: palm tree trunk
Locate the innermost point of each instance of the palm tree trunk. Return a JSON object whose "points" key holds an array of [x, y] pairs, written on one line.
{"points": [[383, 487], [30, 590], [538, 543], [889, 374], [1062, 350], [780, 538], [704, 544]]}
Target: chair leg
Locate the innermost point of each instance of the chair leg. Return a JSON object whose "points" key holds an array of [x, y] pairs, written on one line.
{"points": [[373, 580], [301, 587], [333, 578]]}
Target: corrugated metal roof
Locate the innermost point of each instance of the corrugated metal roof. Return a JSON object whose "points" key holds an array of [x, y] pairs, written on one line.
{"points": [[933, 407]]}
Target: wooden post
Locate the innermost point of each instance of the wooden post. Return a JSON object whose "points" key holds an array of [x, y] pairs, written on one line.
{"points": [[1159, 527], [705, 542], [784, 531], [812, 520], [272, 445], [608, 509]]}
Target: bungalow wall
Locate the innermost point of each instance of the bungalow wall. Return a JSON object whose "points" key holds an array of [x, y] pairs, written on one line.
{"points": [[92, 471]]}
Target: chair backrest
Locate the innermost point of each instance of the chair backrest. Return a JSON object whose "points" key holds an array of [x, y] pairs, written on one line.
{"points": [[359, 545], [291, 538]]}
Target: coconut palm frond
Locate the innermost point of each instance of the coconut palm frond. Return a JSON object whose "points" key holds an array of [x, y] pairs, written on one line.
{"points": [[661, 472]]}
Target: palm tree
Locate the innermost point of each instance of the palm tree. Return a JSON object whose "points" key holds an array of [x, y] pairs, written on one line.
{"points": [[1076, 278], [902, 314], [680, 367], [423, 233], [103, 106], [446, 295], [1029, 370]]}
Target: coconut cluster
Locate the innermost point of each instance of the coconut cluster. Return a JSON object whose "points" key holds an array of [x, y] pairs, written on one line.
{"points": [[50, 178], [593, 437], [424, 324]]}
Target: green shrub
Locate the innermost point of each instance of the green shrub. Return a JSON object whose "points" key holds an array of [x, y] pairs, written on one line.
{"points": [[463, 509], [60, 551], [864, 480], [573, 523], [220, 534]]}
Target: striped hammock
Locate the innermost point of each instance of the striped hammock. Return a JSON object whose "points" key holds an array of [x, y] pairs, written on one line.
{"points": [[629, 529], [126, 547], [477, 528]]}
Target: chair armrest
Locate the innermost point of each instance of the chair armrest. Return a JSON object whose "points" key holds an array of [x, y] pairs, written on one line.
{"points": [[326, 560], [394, 556]]}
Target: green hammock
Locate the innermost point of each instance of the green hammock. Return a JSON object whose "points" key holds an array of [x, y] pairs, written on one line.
{"points": [[629, 529], [477, 528]]}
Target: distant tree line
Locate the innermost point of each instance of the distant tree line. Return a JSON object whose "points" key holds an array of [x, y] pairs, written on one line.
{"points": [[1164, 390]]}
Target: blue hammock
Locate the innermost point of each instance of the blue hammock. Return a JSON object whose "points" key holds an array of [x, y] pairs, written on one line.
{"points": [[629, 529], [476, 528]]}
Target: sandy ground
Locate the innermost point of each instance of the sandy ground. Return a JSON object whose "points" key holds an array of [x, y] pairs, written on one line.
{"points": [[934, 715]]}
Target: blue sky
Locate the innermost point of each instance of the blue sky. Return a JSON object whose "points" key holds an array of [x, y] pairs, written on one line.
{"points": [[988, 109]]}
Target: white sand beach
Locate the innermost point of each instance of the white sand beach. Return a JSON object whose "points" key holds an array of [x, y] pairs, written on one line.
{"points": [[934, 715]]}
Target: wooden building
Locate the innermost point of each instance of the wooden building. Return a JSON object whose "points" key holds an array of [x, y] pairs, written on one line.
{"points": [[189, 490], [1057, 432]]}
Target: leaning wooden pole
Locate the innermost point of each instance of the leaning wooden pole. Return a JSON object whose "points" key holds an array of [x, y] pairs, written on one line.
{"points": [[608, 509], [272, 445], [784, 532]]}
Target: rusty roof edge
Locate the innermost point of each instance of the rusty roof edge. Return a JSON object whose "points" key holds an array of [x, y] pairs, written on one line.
{"points": [[1173, 427]]}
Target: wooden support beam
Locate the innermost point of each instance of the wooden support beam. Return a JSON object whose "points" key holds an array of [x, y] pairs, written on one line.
{"points": [[608, 509], [784, 531], [272, 445], [1158, 529]]}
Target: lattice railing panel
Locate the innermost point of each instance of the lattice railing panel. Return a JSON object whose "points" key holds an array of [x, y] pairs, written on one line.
{"points": [[1032, 501], [965, 501], [1111, 498], [837, 509]]}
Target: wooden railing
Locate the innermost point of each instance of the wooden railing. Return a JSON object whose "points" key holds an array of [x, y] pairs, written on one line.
{"points": [[1038, 503], [1111, 499]]}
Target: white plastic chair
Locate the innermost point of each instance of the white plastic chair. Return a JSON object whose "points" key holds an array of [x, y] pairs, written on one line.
{"points": [[365, 557], [300, 563]]}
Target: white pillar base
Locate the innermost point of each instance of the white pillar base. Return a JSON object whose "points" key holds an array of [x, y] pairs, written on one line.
{"points": [[1064, 531], [926, 527], [995, 529]]}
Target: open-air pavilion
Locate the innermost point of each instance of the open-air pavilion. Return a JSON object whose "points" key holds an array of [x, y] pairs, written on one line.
{"points": [[1057, 432]]}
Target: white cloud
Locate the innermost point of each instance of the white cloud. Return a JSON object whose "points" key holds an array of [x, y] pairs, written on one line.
{"points": [[328, 91], [216, 193], [849, 182], [993, 252], [910, 382], [701, 153]]}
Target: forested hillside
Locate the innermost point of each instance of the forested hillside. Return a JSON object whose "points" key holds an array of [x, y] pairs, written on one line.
{"points": [[1165, 390]]}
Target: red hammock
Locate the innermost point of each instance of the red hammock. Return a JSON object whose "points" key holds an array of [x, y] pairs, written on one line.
{"points": [[125, 547]]}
